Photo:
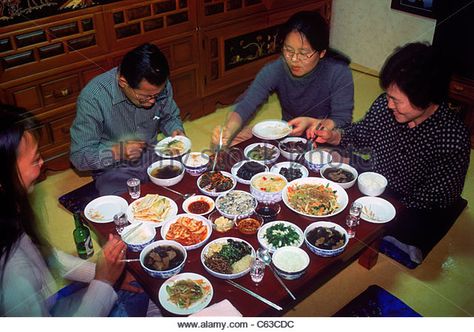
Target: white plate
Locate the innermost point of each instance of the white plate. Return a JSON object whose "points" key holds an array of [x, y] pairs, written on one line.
{"points": [[204, 220], [341, 195], [271, 129], [217, 193], [163, 296], [237, 166], [250, 147], [196, 198], [277, 167], [171, 213], [165, 141], [102, 209], [383, 210], [263, 241]]}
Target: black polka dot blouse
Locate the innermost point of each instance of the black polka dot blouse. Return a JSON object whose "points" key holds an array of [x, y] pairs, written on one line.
{"points": [[426, 165]]}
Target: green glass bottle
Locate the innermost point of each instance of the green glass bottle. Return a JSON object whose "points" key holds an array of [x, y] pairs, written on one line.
{"points": [[82, 238]]}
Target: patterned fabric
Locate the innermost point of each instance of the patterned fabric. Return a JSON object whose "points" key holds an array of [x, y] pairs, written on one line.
{"points": [[327, 90], [426, 165], [105, 117]]}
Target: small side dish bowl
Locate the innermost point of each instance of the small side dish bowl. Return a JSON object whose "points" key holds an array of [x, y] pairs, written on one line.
{"points": [[326, 234], [343, 174], [212, 184], [199, 205], [267, 187], [316, 159], [249, 225], [292, 147], [150, 258], [371, 183], [139, 237], [166, 172], [220, 223], [195, 163], [263, 152], [236, 204], [245, 169], [290, 262]]}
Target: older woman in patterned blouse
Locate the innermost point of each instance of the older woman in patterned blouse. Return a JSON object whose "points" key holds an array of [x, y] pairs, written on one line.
{"points": [[417, 143]]}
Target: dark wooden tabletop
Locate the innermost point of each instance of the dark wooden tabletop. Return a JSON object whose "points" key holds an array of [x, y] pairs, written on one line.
{"points": [[321, 269]]}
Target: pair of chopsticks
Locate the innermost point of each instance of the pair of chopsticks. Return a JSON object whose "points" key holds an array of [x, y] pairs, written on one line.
{"points": [[255, 295], [318, 127]]}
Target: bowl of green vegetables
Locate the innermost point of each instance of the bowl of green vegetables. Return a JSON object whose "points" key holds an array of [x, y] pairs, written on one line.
{"points": [[279, 234]]}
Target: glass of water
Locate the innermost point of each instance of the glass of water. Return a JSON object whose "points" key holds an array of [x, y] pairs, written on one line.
{"points": [[355, 210], [120, 221], [352, 223], [257, 270], [133, 185]]}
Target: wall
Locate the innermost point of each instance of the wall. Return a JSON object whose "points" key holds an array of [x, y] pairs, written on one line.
{"points": [[369, 30]]}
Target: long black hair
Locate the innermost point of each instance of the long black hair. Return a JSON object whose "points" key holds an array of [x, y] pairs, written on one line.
{"points": [[16, 216], [315, 29]]}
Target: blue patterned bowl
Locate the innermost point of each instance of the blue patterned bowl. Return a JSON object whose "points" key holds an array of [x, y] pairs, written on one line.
{"points": [[139, 238], [264, 192], [195, 163], [316, 159], [325, 252], [163, 274]]}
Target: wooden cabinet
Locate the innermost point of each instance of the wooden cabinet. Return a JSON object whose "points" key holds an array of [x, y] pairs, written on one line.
{"points": [[214, 49], [461, 92]]}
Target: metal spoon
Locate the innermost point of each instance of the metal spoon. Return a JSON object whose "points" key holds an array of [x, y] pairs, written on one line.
{"points": [[184, 196], [264, 255]]}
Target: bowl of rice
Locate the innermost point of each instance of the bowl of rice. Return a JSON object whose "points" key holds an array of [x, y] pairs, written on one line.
{"points": [[227, 257], [195, 163], [371, 183], [290, 262]]}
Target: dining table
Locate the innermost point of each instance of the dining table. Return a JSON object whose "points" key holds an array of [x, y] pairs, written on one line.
{"points": [[363, 247]]}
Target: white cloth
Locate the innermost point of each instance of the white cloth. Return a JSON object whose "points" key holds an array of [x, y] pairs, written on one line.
{"points": [[220, 309]]}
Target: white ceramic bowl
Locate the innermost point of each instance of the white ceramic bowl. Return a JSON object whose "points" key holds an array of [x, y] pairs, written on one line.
{"points": [[371, 183], [163, 163], [290, 164], [224, 275], [195, 163], [292, 155], [216, 193], [197, 198], [206, 223], [235, 169], [316, 159], [165, 141], [290, 262], [164, 274], [345, 167], [262, 240], [267, 196], [267, 159], [325, 252], [139, 238], [245, 211]]}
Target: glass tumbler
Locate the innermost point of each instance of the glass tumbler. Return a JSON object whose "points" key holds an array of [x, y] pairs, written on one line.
{"points": [[257, 270], [133, 185], [352, 223], [120, 221]]}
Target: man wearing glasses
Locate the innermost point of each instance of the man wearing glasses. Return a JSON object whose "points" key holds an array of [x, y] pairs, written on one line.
{"points": [[310, 80], [119, 114]]}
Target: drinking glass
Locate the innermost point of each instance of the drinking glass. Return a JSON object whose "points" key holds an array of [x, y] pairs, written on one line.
{"points": [[133, 185], [355, 210], [268, 211], [120, 221], [352, 223], [257, 270]]}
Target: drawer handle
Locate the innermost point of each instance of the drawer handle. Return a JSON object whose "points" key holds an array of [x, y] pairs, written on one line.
{"points": [[62, 93], [458, 87]]}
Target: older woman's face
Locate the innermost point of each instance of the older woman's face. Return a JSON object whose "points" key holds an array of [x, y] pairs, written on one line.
{"points": [[300, 57], [28, 161], [403, 110]]}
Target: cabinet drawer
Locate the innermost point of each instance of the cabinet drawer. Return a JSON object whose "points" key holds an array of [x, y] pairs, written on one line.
{"points": [[60, 128], [462, 89], [60, 89]]}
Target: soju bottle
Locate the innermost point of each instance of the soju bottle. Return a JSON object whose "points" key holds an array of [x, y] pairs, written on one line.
{"points": [[82, 238]]}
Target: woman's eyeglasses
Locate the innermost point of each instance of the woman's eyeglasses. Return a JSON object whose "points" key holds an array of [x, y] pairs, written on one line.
{"points": [[301, 56]]}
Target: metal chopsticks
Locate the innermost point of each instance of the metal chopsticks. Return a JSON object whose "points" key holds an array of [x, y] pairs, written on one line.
{"points": [[255, 295]]}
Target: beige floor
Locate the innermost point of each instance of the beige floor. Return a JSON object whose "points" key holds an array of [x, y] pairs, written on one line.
{"points": [[440, 287]]}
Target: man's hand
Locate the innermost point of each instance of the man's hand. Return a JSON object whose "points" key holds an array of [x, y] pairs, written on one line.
{"points": [[318, 125], [216, 133], [178, 132], [110, 263], [131, 150], [300, 124]]}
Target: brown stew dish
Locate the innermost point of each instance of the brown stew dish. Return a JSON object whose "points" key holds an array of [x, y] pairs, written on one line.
{"points": [[163, 258]]}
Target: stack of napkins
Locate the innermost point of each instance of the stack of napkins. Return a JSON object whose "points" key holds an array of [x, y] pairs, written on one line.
{"points": [[223, 308]]}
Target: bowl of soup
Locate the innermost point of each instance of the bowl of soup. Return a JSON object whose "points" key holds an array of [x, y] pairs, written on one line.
{"points": [[163, 259], [267, 187], [343, 174], [166, 172]]}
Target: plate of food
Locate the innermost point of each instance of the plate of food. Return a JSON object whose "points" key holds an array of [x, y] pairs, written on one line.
{"points": [[171, 147], [245, 169], [291, 170], [271, 129], [189, 230], [315, 197], [262, 152], [235, 204], [216, 183], [185, 293], [278, 234], [102, 209], [152, 209], [376, 210], [227, 257]]}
